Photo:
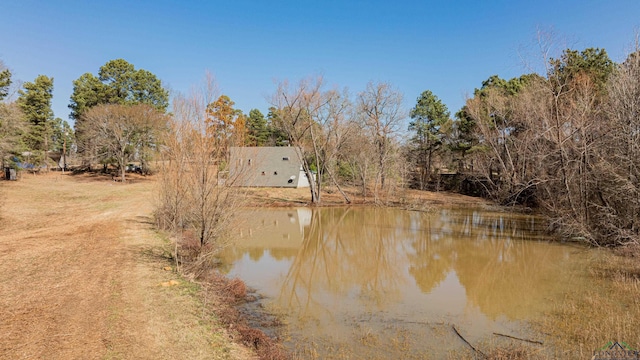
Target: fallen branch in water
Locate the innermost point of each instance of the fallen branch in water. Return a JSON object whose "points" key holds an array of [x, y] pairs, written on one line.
{"points": [[466, 342], [521, 339]]}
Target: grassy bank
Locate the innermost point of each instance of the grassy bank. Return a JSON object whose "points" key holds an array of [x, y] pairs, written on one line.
{"points": [[83, 276], [606, 311], [585, 321]]}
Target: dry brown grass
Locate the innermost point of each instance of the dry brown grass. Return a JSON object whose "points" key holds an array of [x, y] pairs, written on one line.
{"points": [[405, 198], [514, 352], [606, 311], [230, 293], [584, 322], [82, 272]]}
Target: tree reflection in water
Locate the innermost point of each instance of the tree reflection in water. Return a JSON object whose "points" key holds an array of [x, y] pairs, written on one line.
{"points": [[349, 253], [331, 268]]}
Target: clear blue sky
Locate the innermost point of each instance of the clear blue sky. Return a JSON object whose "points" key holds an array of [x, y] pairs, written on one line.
{"points": [[448, 47]]}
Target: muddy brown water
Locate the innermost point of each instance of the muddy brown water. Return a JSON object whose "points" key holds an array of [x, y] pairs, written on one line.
{"points": [[390, 283]]}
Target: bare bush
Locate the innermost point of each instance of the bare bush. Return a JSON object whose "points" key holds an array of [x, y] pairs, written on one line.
{"points": [[197, 201], [356, 154], [619, 188]]}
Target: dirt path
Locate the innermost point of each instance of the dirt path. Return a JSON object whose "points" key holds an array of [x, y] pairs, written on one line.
{"points": [[81, 273]]}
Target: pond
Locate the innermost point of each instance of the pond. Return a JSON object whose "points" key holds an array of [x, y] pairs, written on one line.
{"points": [[369, 282]]}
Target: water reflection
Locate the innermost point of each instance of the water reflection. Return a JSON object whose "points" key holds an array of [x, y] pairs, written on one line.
{"points": [[335, 267]]}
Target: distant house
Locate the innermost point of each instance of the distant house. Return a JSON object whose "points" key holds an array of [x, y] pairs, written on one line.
{"points": [[267, 167]]}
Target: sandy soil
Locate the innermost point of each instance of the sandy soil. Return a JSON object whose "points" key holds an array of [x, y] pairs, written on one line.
{"points": [[83, 276]]}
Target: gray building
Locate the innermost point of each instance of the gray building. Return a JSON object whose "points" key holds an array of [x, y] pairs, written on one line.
{"points": [[277, 166]]}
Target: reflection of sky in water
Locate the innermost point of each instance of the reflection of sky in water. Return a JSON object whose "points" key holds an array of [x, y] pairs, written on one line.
{"points": [[253, 272], [335, 270]]}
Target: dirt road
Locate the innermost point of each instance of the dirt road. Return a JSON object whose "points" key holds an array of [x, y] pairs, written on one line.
{"points": [[82, 273]]}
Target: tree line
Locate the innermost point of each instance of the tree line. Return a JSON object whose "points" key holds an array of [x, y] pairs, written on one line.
{"points": [[564, 140], [28, 129]]}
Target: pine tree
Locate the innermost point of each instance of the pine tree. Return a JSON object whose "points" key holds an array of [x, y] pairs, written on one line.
{"points": [[35, 102]]}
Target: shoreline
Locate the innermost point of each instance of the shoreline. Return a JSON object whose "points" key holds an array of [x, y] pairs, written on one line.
{"points": [[289, 197], [616, 265], [87, 224]]}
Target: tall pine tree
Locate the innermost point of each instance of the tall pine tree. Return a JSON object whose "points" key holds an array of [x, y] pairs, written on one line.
{"points": [[428, 117], [5, 82], [35, 102], [258, 133]]}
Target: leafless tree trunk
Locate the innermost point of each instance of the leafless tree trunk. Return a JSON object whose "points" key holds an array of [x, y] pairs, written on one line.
{"points": [[117, 131], [357, 151], [381, 113], [316, 123], [618, 209]]}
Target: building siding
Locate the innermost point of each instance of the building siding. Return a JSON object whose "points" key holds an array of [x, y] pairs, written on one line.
{"points": [[266, 167]]}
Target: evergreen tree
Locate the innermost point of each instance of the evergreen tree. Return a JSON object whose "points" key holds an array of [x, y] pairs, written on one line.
{"points": [[593, 63], [118, 82], [429, 116], [277, 137], [35, 102], [62, 136], [5, 82], [258, 133], [464, 138]]}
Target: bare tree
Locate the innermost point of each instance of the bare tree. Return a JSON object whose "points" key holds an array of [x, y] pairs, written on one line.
{"points": [[118, 131], [567, 142], [381, 113], [618, 213], [356, 152], [316, 123], [335, 122]]}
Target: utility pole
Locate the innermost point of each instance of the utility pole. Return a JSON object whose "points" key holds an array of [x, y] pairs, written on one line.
{"points": [[64, 152]]}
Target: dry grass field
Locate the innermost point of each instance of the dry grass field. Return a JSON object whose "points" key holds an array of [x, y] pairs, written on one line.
{"points": [[83, 275]]}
